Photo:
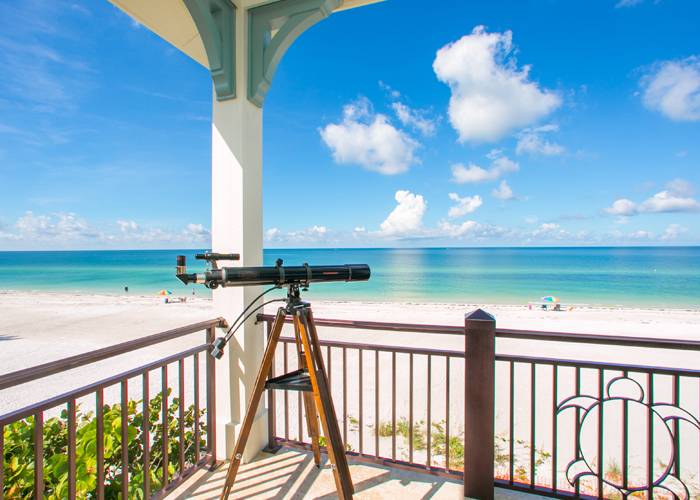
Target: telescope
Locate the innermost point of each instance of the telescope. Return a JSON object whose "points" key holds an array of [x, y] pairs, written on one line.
{"points": [[278, 275]]}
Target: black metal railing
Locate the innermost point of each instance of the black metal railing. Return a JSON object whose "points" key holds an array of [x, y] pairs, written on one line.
{"points": [[563, 427], [114, 449]]}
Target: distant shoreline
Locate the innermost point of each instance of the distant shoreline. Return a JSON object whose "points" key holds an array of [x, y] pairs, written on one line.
{"points": [[468, 305]]}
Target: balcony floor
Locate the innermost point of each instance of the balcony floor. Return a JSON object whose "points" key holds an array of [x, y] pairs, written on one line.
{"points": [[291, 474]]}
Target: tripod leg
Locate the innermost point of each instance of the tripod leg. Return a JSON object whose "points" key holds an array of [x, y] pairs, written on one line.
{"points": [[342, 462], [324, 403], [253, 404], [309, 405]]}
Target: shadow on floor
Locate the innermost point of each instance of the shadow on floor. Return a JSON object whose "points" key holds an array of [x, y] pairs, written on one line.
{"points": [[7, 337], [292, 474]]}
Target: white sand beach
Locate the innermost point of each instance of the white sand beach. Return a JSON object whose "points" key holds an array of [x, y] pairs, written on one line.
{"points": [[37, 327]]}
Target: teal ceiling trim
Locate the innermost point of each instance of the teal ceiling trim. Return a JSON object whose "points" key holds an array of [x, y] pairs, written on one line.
{"points": [[216, 23], [272, 29]]}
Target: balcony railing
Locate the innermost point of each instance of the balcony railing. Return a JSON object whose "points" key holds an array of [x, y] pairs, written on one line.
{"points": [[554, 426], [113, 449], [563, 427]]}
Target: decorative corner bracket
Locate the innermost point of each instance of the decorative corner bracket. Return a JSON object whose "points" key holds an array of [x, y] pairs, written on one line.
{"points": [[216, 23], [272, 29]]}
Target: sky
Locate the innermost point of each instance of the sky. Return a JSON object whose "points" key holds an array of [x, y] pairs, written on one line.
{"points": [[503, 123]]}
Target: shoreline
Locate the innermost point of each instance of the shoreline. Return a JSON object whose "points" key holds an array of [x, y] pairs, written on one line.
{"points": [[369, 302]]}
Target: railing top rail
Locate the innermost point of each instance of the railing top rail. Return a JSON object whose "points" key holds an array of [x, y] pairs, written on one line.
{"points": [[585, 338], [599, 365], [589, 338], [383, 348], [44, 370], [54, 401], [377, 325]]}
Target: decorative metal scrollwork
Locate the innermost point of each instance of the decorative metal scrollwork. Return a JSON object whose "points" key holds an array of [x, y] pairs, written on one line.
{"points": [[659, 415]]}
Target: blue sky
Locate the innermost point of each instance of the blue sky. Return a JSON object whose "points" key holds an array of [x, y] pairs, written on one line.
{"points": [[467, 123]]}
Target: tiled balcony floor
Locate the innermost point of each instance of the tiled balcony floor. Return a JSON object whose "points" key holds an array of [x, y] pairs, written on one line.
{"points": [[291, 474]]}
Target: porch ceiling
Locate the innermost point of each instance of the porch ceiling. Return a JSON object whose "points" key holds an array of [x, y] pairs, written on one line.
{"points": [[170, 20]]}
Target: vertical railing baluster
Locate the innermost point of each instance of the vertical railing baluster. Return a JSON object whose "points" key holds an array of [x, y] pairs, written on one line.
{"points": [[38, 455], [625, 439], [677, 428], [271, 408], [511, 425], [2, 462], [577, 425], [429, 416], [650, 436], [211, 397], [330, 369], [181, 413], [359, 396], [533, 396], [555, 403], [410, 408], [165, 442], [146, 435], [286, 396], [447, 412], [376, 403], [125, 437], [300, 424], [197, 436], [393, 405], [601, 431], [345, 396], [71, 449], [100, 447]]}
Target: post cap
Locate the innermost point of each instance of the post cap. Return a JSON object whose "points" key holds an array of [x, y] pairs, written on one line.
{"points": [[478, 315]]}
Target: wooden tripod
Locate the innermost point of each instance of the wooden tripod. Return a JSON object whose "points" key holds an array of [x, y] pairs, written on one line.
{"points": [[310, 378]]}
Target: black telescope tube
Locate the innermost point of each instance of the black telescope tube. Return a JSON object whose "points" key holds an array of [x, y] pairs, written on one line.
{"points": [[277, 275]]}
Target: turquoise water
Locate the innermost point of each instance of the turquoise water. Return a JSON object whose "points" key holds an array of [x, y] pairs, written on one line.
{"points": [[659, 276]]}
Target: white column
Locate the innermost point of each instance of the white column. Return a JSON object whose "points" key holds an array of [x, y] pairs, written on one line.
{"points": [[237, 228]]}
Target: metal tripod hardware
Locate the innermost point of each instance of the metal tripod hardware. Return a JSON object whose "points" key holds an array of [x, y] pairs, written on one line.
{"points": [[311, 379]]}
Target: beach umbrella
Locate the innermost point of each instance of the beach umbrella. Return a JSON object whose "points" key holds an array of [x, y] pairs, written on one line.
{"points": [[165, 292], [550, 298]]}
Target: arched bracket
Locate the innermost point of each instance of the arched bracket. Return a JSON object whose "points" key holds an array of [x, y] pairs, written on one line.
{"points": [[273, 27], [216, 23]]}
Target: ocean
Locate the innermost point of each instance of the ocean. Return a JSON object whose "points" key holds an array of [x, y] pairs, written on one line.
{"points": [[628, 276]]}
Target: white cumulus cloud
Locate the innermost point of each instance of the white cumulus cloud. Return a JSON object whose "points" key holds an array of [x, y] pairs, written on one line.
{"points": [[464, 206], [414, 118], [407, 217], [530, 141], [665, 201], [673, 232], [370, 140], [627, 3], [196, 232], [673, 89], [674, 199], [128, 226], [503, 191], [623, 207], [500, 165], [491, 96]]}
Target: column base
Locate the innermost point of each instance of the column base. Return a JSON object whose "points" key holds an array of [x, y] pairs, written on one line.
{"points": [[257, 440]]}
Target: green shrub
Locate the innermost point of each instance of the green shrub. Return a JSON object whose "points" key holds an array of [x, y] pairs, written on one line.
{"points": [[18, 457]]}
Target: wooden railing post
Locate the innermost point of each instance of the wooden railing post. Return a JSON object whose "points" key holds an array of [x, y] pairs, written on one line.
{"points": [[479, 402]]}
